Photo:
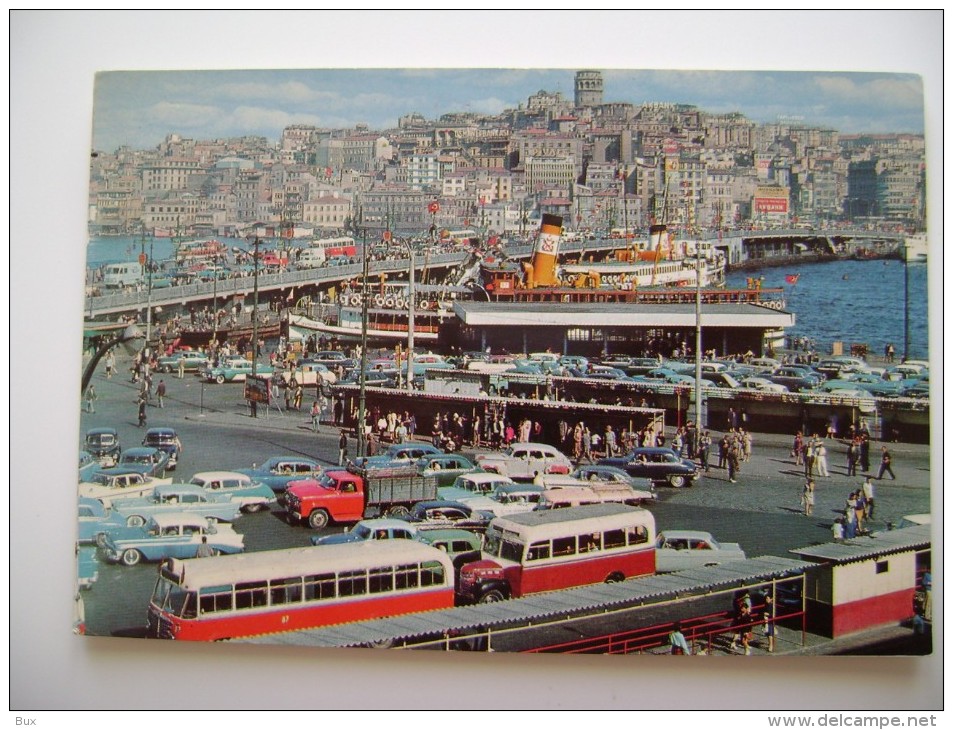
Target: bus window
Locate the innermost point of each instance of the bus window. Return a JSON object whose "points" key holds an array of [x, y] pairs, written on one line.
{"points": [[431, 574], [564, 546], [317, 587], [637, 535], [538, 551], [590, 542], [613, 539], [406, 576], [216, 598], [381, 580], [511, 551], [252, 594], [352, 583], [285, 590]]}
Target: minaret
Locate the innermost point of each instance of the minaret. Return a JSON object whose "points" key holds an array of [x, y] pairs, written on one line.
{"points": [[588, 88]]}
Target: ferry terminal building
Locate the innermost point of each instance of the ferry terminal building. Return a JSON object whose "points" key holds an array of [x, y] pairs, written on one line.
{"points": [[594, 329]]}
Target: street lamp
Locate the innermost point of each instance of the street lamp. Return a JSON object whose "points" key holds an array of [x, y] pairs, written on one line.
{"points": [[362, 400], [411, 305], [254, 330], [129, 334], [698, 335]]}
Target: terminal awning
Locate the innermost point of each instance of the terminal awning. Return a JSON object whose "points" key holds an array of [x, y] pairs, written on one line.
{"points": [[610, 314]]}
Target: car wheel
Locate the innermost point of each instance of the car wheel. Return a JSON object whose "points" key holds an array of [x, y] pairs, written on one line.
{"points": [[219, 379], [493, 596], [131, 557], [677, 480], [253, 507], [318, 519], [615, 578], [135, 521], [167, 369]]}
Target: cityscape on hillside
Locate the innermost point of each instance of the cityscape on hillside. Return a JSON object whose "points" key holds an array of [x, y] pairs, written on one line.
{"points": [[600, 165]]}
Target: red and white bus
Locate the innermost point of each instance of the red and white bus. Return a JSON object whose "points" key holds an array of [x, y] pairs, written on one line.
{"points": [[550, 550], [230, 596], [335, 247]]}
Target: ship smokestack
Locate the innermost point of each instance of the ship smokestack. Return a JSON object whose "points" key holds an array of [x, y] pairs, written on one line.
{"points": [[547, 248]]}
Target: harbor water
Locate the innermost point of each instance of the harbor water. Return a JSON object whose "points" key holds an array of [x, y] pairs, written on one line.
{"points": [[853, 301], [849, 301]]}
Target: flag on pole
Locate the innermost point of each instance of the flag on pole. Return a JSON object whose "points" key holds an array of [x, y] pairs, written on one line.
{"points": [[792, 278]]}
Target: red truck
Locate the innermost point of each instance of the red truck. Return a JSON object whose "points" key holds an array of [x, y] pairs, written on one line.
{"points": [[351, 495]]}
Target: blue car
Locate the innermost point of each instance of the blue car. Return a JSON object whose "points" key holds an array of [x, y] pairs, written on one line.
{"points": [[277, 471], [170, 535], [95, 519], [189, 498], [147, 460], [167, 440], [250, 495], [88, 465], [379, 529], [400, 455]]}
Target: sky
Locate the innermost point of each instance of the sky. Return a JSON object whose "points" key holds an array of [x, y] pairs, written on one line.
{"points": [[140, 108]]}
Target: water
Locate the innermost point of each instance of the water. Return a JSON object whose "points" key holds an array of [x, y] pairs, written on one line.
{"points": [[853, 302], [867, 306]]}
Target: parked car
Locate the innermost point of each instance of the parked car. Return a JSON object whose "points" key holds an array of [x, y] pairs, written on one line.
{"points": [[796, 378], [614, 475], [95, 519], [686, 549], [492, 493], [147, 460], [661, 465], [333, 359], [764, 364], [378, 529], [277, 471], [461, 546], [445, 467], [170, 535], [405, 454], [447, 513], [835, 367], [235, 370], [167, 440], [191, 360], [309, 372], [189, 498], [88, 465], [251, 496], [103, 444], [522, 461], [119, 483], [762, 385]]}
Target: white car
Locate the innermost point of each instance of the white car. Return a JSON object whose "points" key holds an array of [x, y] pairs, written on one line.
{"points": [[248, 493], [687, 549], [763, 385], [523, 461], [118, 483]]}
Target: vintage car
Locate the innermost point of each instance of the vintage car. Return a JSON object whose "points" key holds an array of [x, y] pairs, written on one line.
{"points": [[95, 519], [399, 455], [644, 488], [660, 464], [508, 499], [523, 461], [119, 483], [191, 360], [277, 471], [235, 370], [686, 549], [307, 372], [88, 465], [492, 493], [189, 498], [445, 467], [250, 495], [333, 359], [436, 513], [147, 460], [462, 546], [796, 377], [474, 484], [167, 440], [378, 529], [103, 444], [875, 385], [762, 385], [169, 535]]}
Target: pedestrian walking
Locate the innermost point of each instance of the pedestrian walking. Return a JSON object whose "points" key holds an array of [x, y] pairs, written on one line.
{"points": [[734, 462], [315, 416], [90, 397], [885, 464], [769, 628], [160, 393], [611, 447], [868, 491], [142, 411], [864, 448], [850, 518], [299, 394], [746, 443], [860, 509], [181, 367], [586, 444], [853, 456], [820, 460], [110, 364], [342, 448], [676, 640], [837, 529], [741, 623], [797, 450], [704, 450], [723, 452], [807, 498]]}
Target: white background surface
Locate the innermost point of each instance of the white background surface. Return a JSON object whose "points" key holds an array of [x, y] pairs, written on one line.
{"points": [[54, 56]]}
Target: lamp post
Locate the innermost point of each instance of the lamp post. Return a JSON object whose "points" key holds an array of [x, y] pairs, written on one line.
{"points": [[698, 335], [254, 328], [362, 399], [411, 305], [129, 334]]}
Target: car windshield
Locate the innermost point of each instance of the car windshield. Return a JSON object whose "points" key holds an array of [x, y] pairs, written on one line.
{"points": [[137, 458], [363, 532], [499, 547], [102, 479], [101, 439]]}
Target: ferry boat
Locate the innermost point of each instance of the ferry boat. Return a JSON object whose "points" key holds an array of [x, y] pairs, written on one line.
{"points": [[915, 248]]}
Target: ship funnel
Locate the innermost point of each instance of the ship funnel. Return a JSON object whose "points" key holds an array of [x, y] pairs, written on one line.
{"points": [[547, 248]]}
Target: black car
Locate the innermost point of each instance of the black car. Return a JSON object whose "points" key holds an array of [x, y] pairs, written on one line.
{"points": [[167, 440], [661, 465], [438, 513], [103, 444]]}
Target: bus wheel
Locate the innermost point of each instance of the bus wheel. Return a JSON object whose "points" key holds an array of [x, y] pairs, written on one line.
{"points": [[615, 578], [131, 557], [492, 596], [398, 510], [318, 519]]}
